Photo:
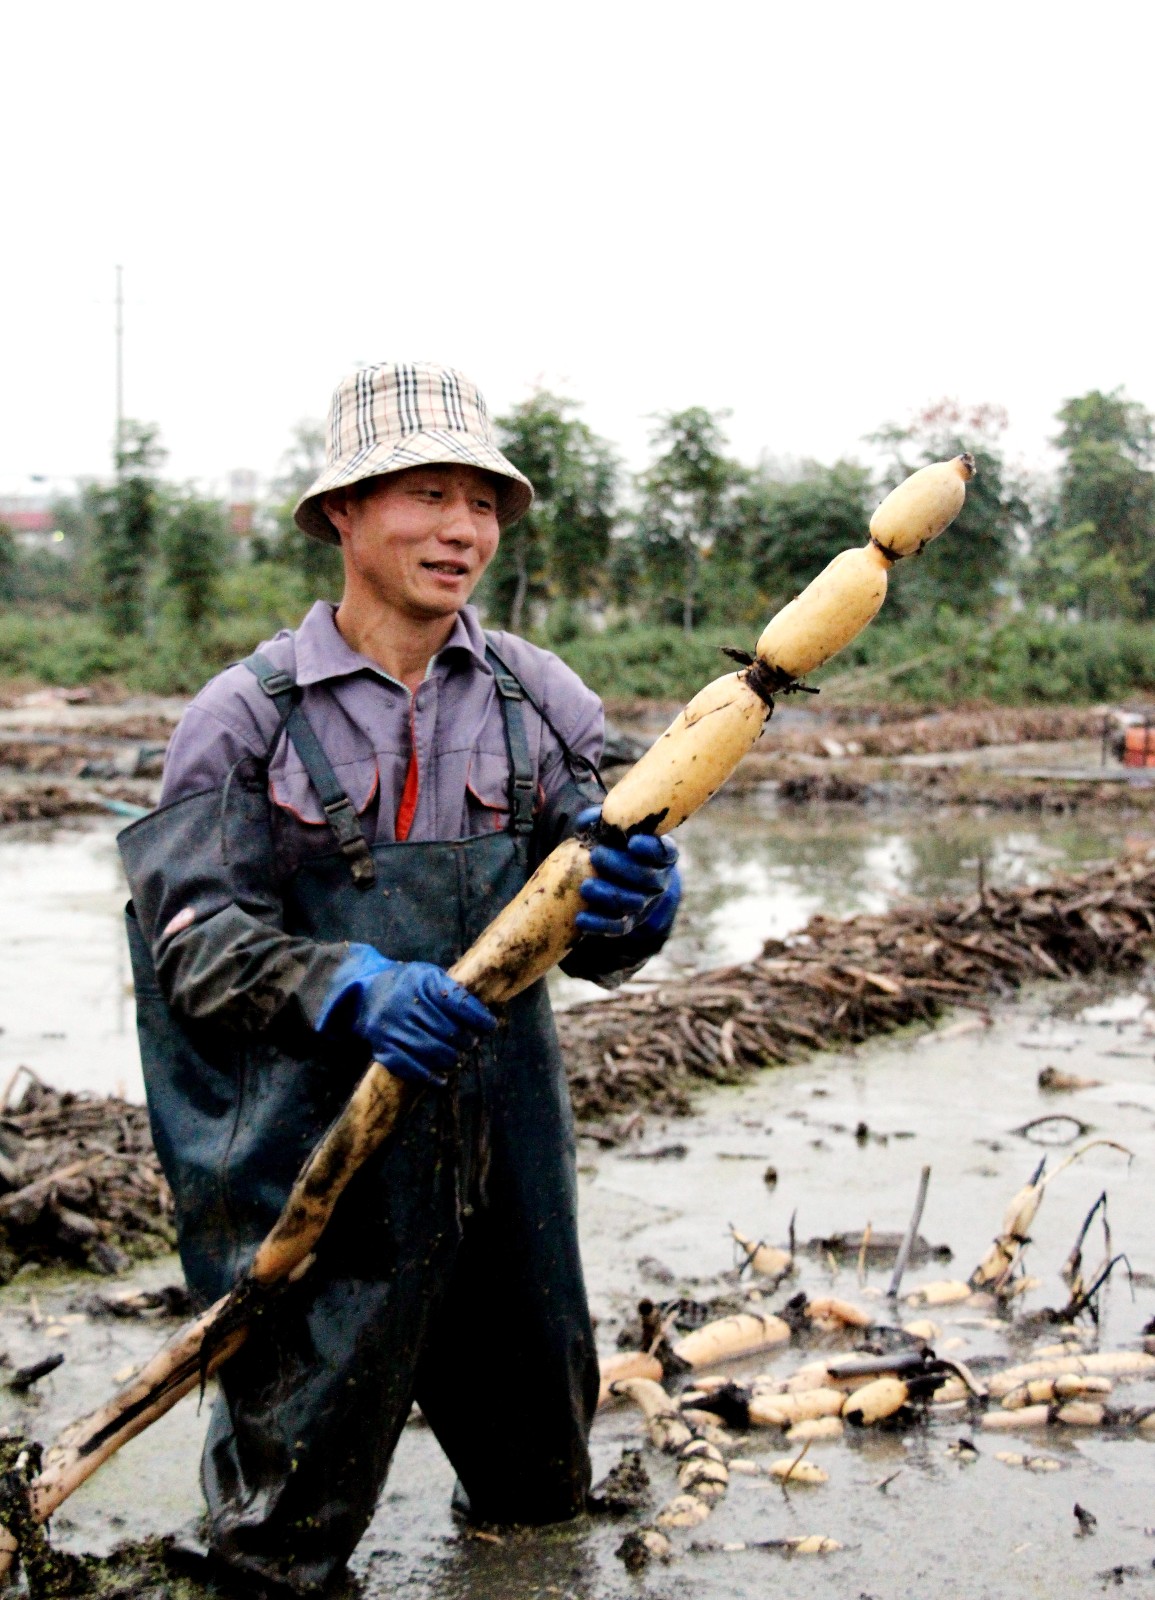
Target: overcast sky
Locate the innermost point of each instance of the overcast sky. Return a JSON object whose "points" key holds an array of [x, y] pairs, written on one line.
{"points": [[818, 215]]}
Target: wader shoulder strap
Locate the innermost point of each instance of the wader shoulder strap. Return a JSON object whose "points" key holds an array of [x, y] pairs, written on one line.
{"points": [[579, 766], [521, 781], [283, 691]]}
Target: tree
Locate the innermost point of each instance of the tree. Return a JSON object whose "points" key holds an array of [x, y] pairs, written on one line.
{"points": [[1072, 573], [318, 564], [7, 563], [966, 570], [561, 546], [1098, 418], [685, 504], [126, 518], [1104, 518], [194, 548], [792, 526]]}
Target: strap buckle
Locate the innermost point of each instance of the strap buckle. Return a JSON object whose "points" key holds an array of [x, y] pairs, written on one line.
{"points": [[524, 794], [351, 841], [508, 687], [277, 683]]}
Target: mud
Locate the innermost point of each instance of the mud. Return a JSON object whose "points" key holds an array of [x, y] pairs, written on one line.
{"points": [[840, 981], [914, 1519], [30, 801], [1033, 788], [60, 756], [847, 731]]}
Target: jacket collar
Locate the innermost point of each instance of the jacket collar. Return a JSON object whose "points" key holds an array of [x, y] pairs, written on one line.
{"points": [[323, 654]]}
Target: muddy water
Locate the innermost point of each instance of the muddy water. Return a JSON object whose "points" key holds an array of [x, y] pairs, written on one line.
{"points": [[752, 870], [951, 1099], [756, 869], [65, 982]]}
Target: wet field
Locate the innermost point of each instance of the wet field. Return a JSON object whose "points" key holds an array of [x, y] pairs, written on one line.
{"points": [[754, 869], [847, 1135]]}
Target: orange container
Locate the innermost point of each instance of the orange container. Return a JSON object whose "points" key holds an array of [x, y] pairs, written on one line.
{"points": [[1139, 747]]}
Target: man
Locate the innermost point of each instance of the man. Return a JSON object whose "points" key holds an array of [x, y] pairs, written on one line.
{"points": [[341, 816]]}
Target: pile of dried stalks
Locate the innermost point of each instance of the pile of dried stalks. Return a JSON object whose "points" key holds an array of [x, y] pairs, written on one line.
{"points": [[31, 801], [42, 802], [863, 782], [941, 731], [79, 1180], [838, 983]]}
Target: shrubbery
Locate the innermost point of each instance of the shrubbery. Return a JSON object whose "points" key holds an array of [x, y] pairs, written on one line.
{"points": [[62, 647], [943, 660]]}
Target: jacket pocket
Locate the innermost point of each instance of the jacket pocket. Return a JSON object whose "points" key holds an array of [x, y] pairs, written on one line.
{"points": [[291, 789], [487, 793]]}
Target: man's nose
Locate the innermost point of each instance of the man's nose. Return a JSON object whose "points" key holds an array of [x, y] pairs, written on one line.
{"points": [[457, 522]]}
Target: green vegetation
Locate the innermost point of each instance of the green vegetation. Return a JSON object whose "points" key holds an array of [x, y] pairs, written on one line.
{"points": [[1044, 590], [1016, 660], [685, 513], [944, 659], [562, 545], [127, 517], [9, 560]]}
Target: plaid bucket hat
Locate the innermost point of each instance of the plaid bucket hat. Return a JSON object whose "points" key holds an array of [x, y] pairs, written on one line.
{"points": [[401, 414]]}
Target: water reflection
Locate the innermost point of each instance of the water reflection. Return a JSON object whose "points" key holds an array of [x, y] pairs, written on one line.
{"points": [[753, 870], [65, 985]]}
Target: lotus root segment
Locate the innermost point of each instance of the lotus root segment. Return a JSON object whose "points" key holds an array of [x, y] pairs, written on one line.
{"points": [[827, 615], [692, 759], [922, 507], [532, 933]]}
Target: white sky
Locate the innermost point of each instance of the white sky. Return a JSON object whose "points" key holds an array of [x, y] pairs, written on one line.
{"points": [[818, 215]]}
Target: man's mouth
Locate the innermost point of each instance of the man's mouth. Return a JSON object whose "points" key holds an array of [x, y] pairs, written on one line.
{"points": [[447, 569]]}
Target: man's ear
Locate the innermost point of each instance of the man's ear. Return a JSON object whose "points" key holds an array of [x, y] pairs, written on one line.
{"points": [[335, 505]]}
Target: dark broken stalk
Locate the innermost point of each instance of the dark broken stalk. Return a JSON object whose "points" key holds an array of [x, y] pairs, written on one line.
{"points": [[1084, 1299], [1073, 1266], [909, 1236], [24, 1377]]}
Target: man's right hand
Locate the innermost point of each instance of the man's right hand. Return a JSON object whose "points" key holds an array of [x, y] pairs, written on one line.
{"points": [[414, 1016]]}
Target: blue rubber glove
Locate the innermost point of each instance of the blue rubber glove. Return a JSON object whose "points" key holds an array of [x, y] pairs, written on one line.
{"points": [[415, 1017], [638, 887]]}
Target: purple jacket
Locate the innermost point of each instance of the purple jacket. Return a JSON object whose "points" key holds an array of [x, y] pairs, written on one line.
{"points": [[427, 766], [372, 728]]}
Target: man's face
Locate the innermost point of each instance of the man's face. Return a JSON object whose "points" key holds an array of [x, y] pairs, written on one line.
{"points": [[420, 539]]}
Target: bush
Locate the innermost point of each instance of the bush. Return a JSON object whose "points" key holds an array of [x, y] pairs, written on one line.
{"points": [[1018, 660], [942, 660], [649, 663], [62, 649]]}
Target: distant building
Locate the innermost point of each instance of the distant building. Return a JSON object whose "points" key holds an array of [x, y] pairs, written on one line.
{"points": [[31, 519]]}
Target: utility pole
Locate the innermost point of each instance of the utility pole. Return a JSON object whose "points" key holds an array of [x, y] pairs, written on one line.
{"points": [[119, 370]]}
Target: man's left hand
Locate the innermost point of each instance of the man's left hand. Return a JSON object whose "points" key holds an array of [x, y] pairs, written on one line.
{"points": [[636, 887]]}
